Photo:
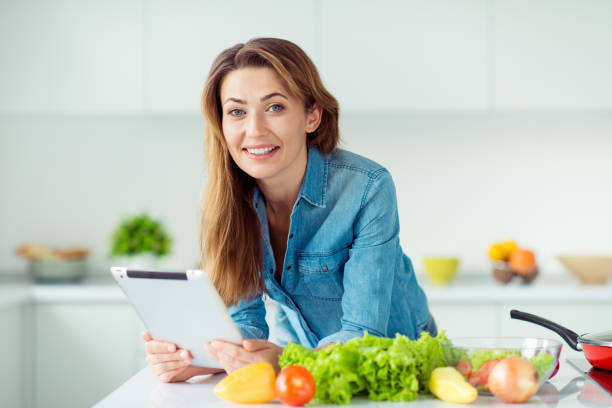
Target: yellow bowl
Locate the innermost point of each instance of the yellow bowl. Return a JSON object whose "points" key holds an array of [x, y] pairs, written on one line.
{"points": [[440, 270]]}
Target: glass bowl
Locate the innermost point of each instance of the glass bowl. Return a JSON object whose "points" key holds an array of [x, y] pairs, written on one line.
{"points": [[543, 353]]}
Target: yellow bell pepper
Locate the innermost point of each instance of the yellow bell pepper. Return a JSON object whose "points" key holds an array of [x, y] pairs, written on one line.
{"points": [[449, 385], [252, 384]]}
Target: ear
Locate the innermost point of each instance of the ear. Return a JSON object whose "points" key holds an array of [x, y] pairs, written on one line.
{"points": [[313, 117]]}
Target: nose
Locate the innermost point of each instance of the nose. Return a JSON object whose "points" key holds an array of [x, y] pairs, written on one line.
{"points": [[256, 126]]}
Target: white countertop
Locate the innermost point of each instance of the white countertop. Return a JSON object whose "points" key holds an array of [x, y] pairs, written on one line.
{"points": [[466, 288], [567, 389]]}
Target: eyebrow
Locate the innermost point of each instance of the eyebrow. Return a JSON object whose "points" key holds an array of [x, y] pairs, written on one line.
{"points": [[264, 98]]}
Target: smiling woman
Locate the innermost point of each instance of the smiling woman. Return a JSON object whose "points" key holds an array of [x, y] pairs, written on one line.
{"points": [[288, 214]]}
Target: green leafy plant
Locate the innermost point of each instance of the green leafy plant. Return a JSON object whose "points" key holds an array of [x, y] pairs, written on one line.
{"points": [[140, 234]]}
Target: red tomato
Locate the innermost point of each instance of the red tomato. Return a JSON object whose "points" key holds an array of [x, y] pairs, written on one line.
{"points": [[481, 376], [294, 386], [464, 367]]}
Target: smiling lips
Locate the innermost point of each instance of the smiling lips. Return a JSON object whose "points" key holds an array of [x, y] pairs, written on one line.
{"points": [[260, 152]]}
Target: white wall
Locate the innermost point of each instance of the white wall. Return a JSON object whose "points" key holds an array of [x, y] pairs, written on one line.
{"points": [[463, 180]]}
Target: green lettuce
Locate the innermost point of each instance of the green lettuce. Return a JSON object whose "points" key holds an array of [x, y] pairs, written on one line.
{"points": [[377, 367], [542, 363]]}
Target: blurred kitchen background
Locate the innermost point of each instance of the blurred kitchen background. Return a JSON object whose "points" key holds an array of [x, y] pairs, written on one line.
{"points": [[494, 118]]}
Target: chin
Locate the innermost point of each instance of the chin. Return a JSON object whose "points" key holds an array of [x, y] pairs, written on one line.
{"points": [[260, 173]]}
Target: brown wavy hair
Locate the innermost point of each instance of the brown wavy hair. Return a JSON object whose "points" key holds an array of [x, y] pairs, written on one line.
{"points": [[230, 235]]}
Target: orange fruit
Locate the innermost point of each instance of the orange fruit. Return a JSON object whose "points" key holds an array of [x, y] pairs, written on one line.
{"points": [[522, 261]]}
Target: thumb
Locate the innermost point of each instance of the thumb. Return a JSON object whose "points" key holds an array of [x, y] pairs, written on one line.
{"points": [[254, 344], [146, 336]]}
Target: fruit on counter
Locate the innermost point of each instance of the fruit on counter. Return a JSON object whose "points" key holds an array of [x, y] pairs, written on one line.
{"points": [[252, 384], [509, 246], [501, 251], [294, 386], [497, 252], [510, 260], [522, 261], [514, 379], [449, 385]]}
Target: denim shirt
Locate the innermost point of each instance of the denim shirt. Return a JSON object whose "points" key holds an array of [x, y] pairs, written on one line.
{"points": [[344, 271]]}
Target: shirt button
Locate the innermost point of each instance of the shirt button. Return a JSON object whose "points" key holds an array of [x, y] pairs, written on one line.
{"points": [[324, 267], [289, 268], [271, 271], [290, 236]]}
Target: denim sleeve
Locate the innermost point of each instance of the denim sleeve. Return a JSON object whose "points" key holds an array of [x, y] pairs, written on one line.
{"points": [[370, 270], [250, 318]]}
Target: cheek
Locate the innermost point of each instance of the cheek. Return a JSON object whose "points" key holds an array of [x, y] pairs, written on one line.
{"points": [[231, 135]]}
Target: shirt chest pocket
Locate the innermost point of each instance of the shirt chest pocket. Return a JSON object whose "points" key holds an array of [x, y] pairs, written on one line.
{"points": [[321, 276]]}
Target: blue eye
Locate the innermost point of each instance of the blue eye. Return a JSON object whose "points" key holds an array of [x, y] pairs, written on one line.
{"points": [[276, 108], [236, 112]]}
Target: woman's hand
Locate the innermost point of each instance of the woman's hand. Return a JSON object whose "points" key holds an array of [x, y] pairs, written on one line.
{"points": [[233, 356], [168, 363]]}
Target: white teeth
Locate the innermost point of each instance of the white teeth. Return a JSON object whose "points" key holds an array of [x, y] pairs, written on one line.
{"points": [[264, 150]]}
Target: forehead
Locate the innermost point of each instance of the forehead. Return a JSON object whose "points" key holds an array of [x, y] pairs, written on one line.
{"points": [[244, 82]]}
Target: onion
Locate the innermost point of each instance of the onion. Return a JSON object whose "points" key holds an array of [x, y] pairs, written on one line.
{"points": [[514, 379]]}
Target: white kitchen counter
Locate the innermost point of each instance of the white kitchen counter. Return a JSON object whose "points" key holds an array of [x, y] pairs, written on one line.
{"points": [[466, 288], [566, 389]]}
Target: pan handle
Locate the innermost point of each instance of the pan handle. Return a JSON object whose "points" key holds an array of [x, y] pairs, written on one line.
{"points": [[569, 336]]}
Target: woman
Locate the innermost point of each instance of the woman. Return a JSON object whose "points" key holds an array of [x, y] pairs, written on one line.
{"points": [[289, 215]]}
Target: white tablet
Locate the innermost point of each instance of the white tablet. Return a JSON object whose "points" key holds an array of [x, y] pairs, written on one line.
{"points": [[180, 307]]}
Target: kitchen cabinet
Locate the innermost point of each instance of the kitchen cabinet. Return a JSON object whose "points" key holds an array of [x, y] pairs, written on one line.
{"points": [[82, 351], [552, 55], [185, 39], [71, 56], [404, 55], [12, 356]]}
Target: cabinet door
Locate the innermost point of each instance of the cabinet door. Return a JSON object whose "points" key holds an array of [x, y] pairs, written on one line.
{"points": [[12, 356], [186, 37], [71, 56], [553, 54], [397, 55], [82, 352]]}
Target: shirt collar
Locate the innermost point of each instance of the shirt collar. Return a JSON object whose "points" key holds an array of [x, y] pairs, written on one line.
{"points": [[314, 185]]}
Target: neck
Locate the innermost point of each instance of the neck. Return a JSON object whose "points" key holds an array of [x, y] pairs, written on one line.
{"points": [[282, 192]]}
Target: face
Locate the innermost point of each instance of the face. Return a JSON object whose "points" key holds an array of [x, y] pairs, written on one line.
{"points": [[265, 126]]}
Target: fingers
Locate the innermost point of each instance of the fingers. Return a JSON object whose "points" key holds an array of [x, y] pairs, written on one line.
{"points": [[168, 376], [255, 344], [146, 336], [166, 366], [162, 368], [158, 346], [180, 355], [229, 355]]}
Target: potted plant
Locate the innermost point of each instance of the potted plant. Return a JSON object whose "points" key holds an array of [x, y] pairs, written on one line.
{"points": [[140, 241]]}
